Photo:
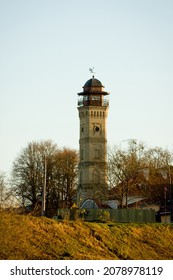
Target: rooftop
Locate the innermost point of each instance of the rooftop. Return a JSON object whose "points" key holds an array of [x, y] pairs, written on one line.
{"points": [[93, 83], [93, 86]]}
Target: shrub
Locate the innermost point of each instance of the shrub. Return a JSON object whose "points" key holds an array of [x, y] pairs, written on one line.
{"points": [[104, 216]]}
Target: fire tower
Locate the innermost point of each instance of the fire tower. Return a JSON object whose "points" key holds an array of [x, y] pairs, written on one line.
{"points": [[93, 109]]}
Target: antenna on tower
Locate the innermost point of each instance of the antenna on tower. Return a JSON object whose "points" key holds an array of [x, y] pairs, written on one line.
{"points": [[92, 71]]}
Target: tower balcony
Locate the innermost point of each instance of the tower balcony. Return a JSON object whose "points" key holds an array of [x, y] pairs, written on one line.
{"points": [[97, 100]]}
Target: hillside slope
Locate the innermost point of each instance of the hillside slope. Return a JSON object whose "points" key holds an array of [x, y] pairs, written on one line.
{"points": [[27, 237]]}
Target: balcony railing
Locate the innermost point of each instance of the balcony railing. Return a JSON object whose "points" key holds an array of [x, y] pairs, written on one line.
{"points": [[93, 102]]}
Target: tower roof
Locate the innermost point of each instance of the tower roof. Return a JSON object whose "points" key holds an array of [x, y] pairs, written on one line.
{"points": [[93, 86], [93, 83]]}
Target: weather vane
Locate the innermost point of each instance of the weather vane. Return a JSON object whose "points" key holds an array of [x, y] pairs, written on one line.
{"points": [[92, 71]]}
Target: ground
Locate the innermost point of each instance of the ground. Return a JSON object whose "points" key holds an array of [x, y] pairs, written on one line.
{"points": [[30, 238]]}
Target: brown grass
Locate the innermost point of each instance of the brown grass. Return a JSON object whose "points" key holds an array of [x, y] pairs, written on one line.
{"points": [[30, 238]]}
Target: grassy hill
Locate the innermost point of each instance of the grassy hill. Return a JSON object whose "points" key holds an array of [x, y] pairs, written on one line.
{"points": [[27, 237]]}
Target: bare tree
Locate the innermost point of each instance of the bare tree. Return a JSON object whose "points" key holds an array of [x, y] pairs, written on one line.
{"points": [[28, 172], [7, 197], [2, 190], [138, 170], [124, 169], [66, 174], [43, 164], [160, 172]]}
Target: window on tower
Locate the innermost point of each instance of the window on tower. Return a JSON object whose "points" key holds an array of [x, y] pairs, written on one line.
{"points": [[82, 130], [97, 153], [97, 129], [85, 100], [95, 100], [82, 154], [95, 97]]}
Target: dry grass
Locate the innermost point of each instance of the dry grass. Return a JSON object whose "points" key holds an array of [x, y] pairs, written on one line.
{"points": [[29, 238]]}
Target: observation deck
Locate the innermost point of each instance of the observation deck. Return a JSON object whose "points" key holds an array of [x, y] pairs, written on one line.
{"points": [[93, 94]]}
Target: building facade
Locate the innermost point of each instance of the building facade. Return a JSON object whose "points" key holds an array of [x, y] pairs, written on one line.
{"points": [[93, 110]]}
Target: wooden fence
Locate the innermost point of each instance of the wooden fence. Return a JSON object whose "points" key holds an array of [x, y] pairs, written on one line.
{"points": [[106, 215]]}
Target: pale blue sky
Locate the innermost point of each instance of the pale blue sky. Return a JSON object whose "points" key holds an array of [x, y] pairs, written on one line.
{"points": [[46, 49]]}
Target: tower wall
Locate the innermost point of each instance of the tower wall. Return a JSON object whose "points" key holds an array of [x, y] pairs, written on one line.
{"points": [[93, 153]]}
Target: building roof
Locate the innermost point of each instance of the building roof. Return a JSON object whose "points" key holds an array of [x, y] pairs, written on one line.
{"points": [[93, 83], [93, 86], [89, 203]]}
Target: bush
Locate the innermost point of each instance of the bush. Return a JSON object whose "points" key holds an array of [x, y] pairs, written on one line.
{"points": [[104, 216]]}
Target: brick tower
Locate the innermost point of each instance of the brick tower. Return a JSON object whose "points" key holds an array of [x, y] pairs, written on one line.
{"points": [[93, 109]]}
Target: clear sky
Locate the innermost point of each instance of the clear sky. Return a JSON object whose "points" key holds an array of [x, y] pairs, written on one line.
{"points": [[46, 50]]}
